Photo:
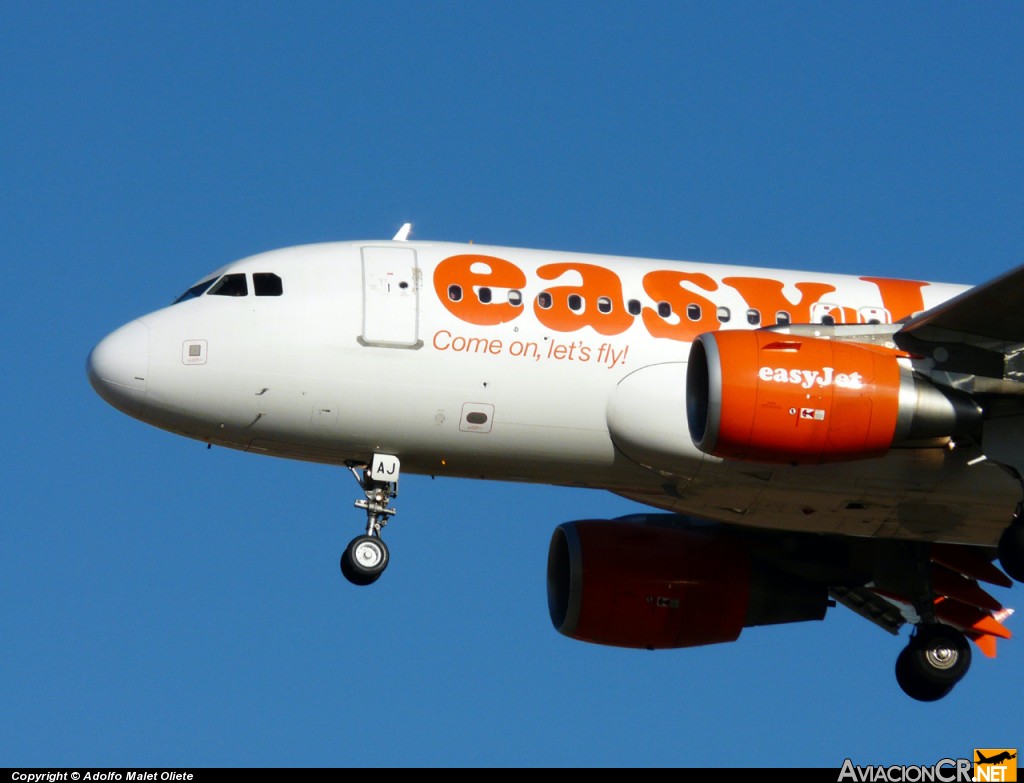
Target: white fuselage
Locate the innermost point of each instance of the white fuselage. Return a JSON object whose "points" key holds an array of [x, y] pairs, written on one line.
{"points": [[562, 371]]}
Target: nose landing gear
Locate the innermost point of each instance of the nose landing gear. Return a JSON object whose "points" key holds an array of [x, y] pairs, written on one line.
{"points": [[366, 556]]}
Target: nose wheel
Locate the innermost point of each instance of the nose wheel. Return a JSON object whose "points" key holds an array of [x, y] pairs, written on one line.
{"points": [[364, 560], [366, 556]]}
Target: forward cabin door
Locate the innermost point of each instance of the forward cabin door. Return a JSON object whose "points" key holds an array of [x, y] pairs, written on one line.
{"points": [[391, 297]]}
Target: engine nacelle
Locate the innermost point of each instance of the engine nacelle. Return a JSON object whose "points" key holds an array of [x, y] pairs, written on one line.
{"points": [[768, 397], [628, 584]]}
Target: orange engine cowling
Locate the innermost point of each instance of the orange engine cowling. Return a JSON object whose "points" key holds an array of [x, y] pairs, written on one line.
{"points": [[770, 397], [639, 585]]}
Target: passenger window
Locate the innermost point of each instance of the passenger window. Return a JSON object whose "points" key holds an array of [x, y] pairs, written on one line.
{"points": [[753, 317], [455, 293], [266, 284], [633, 305], [782, 318], [693, 312], [873, 315], [230, 285], [575, 302], [664, 309], [824, 313], [544, 300], [724, 315], [604, 304], [485, 295], [515, 298]]}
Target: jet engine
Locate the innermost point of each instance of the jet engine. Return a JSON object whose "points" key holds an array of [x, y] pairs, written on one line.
{"points": [[629, 584], [771, 397]]}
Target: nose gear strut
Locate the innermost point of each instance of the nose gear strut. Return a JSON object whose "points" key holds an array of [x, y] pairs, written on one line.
{"points": [[366, 556]]}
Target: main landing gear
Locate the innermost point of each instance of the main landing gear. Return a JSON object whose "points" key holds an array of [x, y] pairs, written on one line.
{"points": [[937, 658], [938, 655], [366, 556]]}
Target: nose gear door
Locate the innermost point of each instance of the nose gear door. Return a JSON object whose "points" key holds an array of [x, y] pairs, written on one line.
{"points": [[391, 297]]}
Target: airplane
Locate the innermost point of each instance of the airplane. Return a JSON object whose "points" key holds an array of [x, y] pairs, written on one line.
{"points": [[996, 759], [807, 439]]}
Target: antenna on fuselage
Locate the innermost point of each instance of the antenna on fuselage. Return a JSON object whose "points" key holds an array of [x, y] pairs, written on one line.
{"points": [[403, 233]]}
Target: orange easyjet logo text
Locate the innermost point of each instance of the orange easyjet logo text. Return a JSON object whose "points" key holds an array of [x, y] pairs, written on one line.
{"points": [[487, 290]]}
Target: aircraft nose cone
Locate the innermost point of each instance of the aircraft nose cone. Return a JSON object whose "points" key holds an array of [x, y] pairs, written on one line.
{"points": [[118, 367]]}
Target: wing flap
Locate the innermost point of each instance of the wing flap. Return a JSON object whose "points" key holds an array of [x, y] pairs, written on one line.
{"points": [[962, 589], [959, 600], [986, 643], [970, 618], [969, 562]]}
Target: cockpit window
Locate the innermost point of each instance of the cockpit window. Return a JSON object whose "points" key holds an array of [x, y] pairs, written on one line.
{"points": [[267, 284], [230, 285], [197, 290]]}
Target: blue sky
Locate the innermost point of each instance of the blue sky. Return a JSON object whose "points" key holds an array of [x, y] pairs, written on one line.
{"points": [[162, 604]]}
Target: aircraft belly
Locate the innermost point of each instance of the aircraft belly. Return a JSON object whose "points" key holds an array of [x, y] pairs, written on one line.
{"points": [[477, 428], [920, 494]]}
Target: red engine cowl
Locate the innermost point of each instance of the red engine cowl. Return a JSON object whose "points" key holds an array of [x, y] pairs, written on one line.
{"points": [[639, 585], [642, 586], [769, 397]]}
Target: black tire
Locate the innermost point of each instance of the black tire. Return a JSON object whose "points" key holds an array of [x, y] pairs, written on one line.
{"points": [[356, 578], [1011, 551], [912, 684], [364, 560], [939, 654]]}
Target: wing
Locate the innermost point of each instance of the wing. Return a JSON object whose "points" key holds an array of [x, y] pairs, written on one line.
{"points": [[988, 311], [974, 341]]}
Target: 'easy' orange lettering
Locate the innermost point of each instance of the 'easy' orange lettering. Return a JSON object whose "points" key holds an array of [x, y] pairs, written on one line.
{"points": [[471, 272], [900, 297], [474, 288], [597, 282], [667, 286], [767, 297]]}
